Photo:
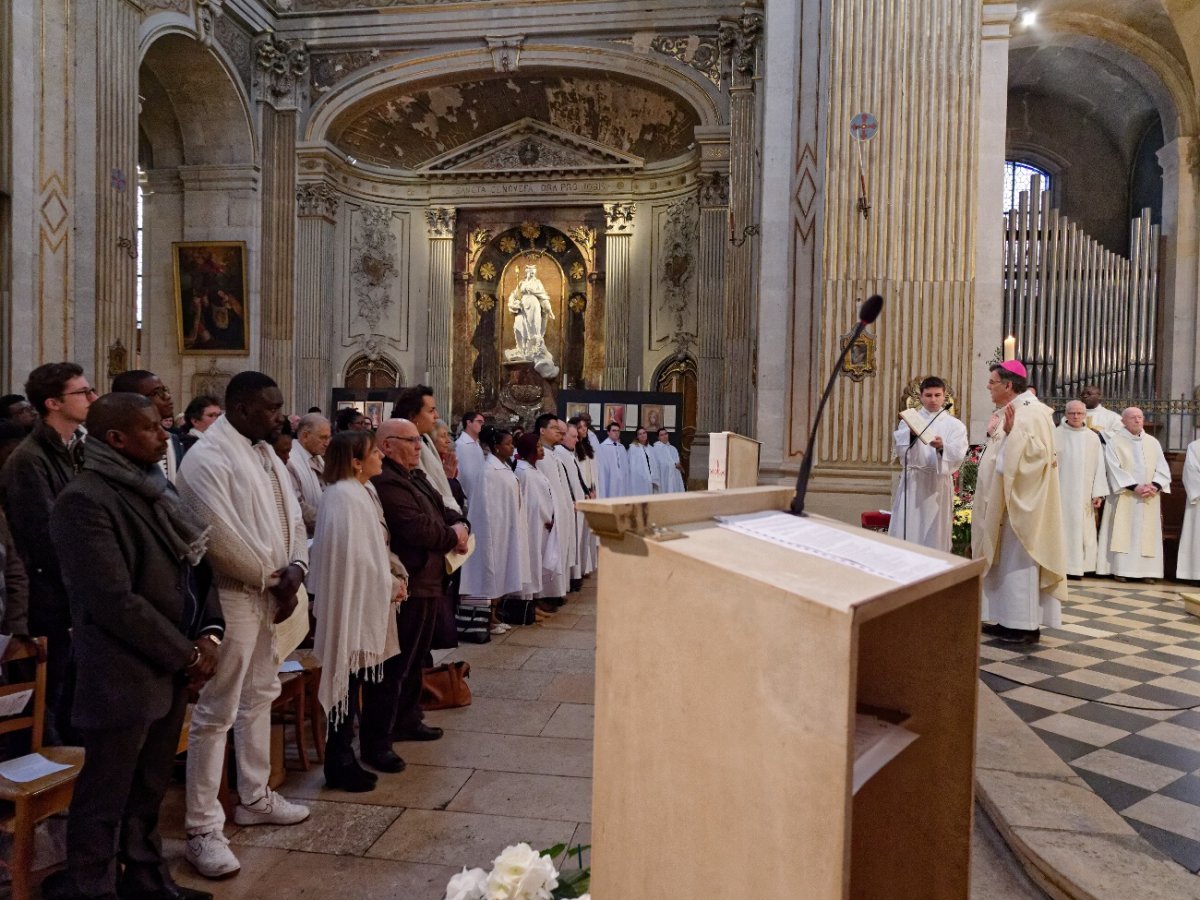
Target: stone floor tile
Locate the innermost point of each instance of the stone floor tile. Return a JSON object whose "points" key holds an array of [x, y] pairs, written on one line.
{"points": [[1041, 802], [586, 623], [997, 654], [1117, 794], [1100, 679], [1002, 744], [571, 720], [496, 715], [1085, 630], [528, 796], [423, 787], [562, 620], [1076, 660], [259, 866], [1175, 683], [581, 838], [1129, 769], [1080, 729], [444, 837], [496, 655], [503, 753], [1045, 700], [567, 688], [515, 684], [545, 659], [339, 828], [1171, 733], [569, 639], [1169, 814], [1016, 673], [1141, 706]]}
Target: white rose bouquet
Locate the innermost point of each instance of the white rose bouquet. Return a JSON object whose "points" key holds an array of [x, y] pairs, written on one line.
{"points": [[522, 873]]}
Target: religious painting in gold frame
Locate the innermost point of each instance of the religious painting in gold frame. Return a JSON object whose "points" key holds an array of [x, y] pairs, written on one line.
{"points": [[211, 308], [860, 361]]}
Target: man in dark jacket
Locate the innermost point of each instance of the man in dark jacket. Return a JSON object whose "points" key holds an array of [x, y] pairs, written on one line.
{"points": [[150, 386], [32, 477], [147, 621], [422, 532]]}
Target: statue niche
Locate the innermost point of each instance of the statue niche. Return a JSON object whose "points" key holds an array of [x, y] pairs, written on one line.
{"points": [[534, 288]]}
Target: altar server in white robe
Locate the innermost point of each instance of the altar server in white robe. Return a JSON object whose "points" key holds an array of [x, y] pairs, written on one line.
{"points": [[642, 478], [537, 511], [1131, 529], [923, 508], [306, 465], [666, 464], [1083, 484], [500, 564], [612, 465], [1017, 527], [556, 584], [470, 453], [584, 560], [1188, 568], [1105, 422]]}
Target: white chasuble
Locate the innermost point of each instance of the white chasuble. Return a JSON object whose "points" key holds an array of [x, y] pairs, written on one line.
{"points": [[642, 479], [1081, 479], [666, 464], [556, 582], [1131, 529], [1189, 542], [537, 520], [923, 508], [499, 565], [612, 470]]}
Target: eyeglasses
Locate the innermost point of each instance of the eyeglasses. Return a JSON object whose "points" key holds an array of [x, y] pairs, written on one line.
{"points": [[411, 440], [82, 392]]}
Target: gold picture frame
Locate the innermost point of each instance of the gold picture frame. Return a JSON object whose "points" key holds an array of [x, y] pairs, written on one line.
{"points": [[211, 304], [860, 361]]}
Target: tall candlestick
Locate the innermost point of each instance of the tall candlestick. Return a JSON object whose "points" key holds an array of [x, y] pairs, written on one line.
{"points": [[1010, 347], [426, 382]]}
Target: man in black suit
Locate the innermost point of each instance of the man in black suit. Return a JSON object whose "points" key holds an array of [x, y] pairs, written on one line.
{"points": [[423, 530], [146, 622], [149, 385]]}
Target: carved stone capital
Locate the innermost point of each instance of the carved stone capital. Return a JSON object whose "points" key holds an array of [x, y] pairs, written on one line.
{"points": [[316, 200], [206, 12], [714, 190], [738, 39], [440, 220], [618, 217], [280, 72], [506, 50]]}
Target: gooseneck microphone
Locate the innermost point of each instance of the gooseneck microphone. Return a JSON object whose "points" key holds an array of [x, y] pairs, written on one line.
{"points": [[867, 314]]}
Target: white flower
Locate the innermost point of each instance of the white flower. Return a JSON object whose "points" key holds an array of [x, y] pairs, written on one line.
{"points": [[468, 885], [521, 873]]}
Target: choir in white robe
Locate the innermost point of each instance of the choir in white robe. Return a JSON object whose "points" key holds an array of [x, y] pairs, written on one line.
{"points": [[612, 470], [1104, 422], [556, 583], [470, 462], [1081, 479], [923, 508], [1131, 529], [642, 478], [537, 511], [500, 564], [666, 458], [589, 544], [583, 535], [1188, 568]]}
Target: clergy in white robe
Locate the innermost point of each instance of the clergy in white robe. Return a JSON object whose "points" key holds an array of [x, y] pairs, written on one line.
{"points": [[470, 452], [584, 557], [1188, 568], [1105, 422], [537, 514], [1017, 527], [1083, 483], [612, 466], [306, 465], [500, 564], [666, 464], [923, 508], [642, 477], [1131, 529], [557, 583]]}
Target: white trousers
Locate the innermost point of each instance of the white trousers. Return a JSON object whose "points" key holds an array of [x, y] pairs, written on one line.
{"points": [[238, 696], [1011, 593]]}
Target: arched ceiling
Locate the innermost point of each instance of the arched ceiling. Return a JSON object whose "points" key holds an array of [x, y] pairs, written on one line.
{"points": [[405, 126], [1147, 17]]}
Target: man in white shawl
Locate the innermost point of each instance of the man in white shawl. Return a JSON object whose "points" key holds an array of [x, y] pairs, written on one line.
{"points": [[612, 466], [537, 511], [642, 478], [258, 548], [1083, 484], [666, 464], [307, 463], [1131, 529], [923, 508], [565, 451], [1188, 568], [556, 584], [470, 452], [1105, 422], [418, 406]]}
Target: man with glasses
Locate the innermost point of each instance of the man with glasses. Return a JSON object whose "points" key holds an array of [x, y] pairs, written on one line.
{"points": [[612, 465], [32, 478], [149, 385]]}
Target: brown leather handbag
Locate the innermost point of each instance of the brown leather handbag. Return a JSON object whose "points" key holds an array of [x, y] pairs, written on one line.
{"points": [[445, 686]]}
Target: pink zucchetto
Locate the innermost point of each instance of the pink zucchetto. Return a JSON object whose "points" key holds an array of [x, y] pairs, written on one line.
{"points": [[1015, 366]]}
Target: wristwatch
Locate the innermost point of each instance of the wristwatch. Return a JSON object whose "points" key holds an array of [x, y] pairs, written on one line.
{"points": [[212, 637]]}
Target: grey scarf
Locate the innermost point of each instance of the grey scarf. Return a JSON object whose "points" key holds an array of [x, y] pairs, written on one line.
{"points": [[184, 532]]}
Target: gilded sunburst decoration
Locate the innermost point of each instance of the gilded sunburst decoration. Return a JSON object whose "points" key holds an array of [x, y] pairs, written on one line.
{"points": [[508, 245], [530, 230], [558, 244], [487, 272], [576, 271]]}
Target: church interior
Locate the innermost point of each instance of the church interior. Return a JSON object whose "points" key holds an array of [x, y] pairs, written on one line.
{"points": [[348, 194]]}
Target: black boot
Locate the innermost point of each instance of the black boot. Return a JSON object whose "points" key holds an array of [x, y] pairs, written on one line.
{"points": [[347, 775]]}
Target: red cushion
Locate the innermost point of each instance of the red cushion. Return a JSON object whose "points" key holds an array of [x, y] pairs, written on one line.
{"points": [[876, 519]]}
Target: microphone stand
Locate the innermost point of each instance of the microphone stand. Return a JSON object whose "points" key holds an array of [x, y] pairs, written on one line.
{"points": [[904, 494]]}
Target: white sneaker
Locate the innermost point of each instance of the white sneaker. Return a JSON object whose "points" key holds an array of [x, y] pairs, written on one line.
{"points": [[210, 855], [270, 810]]}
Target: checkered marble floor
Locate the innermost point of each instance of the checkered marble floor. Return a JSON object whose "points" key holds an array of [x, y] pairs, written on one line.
{"points": [[1114, 692]]}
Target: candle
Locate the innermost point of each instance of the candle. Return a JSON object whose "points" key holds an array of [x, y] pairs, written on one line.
{"points": [[1010, 347], [426, 382], [731, 232], [639, 382]]}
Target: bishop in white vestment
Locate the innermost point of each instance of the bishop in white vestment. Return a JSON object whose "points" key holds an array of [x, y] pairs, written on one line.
{"points": [[1131, 530], [1188, 568], [923, 508], [1083, 483]]}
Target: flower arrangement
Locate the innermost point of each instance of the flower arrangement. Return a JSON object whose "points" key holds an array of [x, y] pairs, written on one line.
{"points": [[522, 873], [964, 500]]}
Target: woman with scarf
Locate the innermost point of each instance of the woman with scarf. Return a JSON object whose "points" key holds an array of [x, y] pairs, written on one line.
{"points": [[357, 581]]}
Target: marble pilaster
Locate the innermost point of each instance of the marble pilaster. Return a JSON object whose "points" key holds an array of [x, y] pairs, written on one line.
{"points": [[710, 318], [1177, 368], [317, 208], [618, 241], [440, 221]]}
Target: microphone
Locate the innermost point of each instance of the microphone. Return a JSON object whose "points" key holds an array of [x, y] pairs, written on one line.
{"points": [[867, 313]]}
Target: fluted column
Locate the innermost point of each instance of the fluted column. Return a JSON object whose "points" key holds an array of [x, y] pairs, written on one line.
{"points": [[618, 240], [1180, 228], [739, 43], [710, 324], [440, 220], [317, 207], [116, 87]]}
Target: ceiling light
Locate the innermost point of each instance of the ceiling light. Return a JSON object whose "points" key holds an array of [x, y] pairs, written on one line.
{"points": [[1028, 18]]}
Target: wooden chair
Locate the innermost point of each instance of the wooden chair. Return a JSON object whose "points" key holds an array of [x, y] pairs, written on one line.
{"points": [[33, 801]]}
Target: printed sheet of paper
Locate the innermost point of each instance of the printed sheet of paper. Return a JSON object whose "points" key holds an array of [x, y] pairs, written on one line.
{"points": [[818, 539], [876, 743], [29, 768], [291, 665], [12, 704]]}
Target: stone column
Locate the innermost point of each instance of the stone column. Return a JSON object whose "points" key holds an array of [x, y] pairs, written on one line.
{"points": [[618, 241], [1177, 369], [317, 207], [987, 330], [440, 220], [280, 74], [710, 311], [739, 45]]}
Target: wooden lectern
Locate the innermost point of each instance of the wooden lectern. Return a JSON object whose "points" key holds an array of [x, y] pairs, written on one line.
{"points": [[728, 673], [732, 460]]}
